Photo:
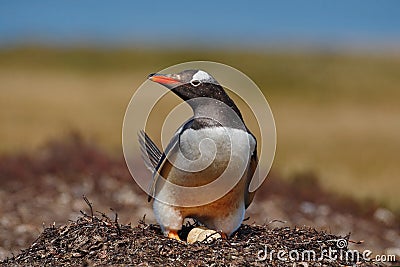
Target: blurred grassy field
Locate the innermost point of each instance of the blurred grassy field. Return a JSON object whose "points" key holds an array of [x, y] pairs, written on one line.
{"points": [[337, 114]]}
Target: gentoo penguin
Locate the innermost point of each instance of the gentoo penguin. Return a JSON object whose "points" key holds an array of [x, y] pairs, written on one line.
{"points": [[187, 164]]}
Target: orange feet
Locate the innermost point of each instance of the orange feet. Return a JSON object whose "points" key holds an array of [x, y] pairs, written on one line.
{"points": [[223, 235], [174, 235]]}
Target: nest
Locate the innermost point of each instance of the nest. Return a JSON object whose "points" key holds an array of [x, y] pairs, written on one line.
{"points": [[96, 239]]}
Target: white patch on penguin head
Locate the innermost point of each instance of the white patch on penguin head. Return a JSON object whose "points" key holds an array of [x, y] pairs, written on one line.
{"points": [[202, 77]]}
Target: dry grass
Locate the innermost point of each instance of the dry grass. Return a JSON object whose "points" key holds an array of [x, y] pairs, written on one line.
{"points": [[45, 188], [98, 240], [336, 114]]}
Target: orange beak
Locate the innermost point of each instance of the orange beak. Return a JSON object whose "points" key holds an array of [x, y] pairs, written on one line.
{"points": [[163, 79]]}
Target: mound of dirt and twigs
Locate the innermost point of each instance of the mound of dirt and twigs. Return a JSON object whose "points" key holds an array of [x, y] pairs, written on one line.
{"points": [[42, 190], [99, 240]]}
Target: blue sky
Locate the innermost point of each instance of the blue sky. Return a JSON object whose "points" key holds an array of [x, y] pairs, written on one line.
{"points": [[201, 23]]}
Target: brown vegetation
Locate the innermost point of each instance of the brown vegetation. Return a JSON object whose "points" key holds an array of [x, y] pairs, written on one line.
{"points": [[46, 187], [98, 240]]}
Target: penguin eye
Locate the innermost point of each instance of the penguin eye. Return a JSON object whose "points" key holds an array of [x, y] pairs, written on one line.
{"points": [[195, 83]]}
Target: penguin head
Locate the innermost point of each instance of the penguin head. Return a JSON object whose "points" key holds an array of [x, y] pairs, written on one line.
{"points": [[190, 84]]}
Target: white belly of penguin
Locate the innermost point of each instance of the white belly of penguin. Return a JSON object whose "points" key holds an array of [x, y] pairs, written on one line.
{"points": [[210, 163]]}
